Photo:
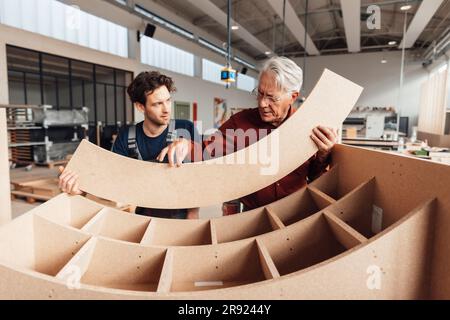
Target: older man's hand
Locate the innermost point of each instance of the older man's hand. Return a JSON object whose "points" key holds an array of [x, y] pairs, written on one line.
{"points": [[325, 139]]}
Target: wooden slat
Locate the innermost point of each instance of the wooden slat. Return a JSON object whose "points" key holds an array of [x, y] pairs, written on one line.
{"points": [[345, 234], [77, 266], [213, 232], [320, 198], [165, 281], [274, 219], [267, 264], [30, 195]]}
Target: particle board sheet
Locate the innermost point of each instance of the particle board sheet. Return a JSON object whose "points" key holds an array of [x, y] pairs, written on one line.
{"points": [[312, 245], [285, 264], [121, 179]]}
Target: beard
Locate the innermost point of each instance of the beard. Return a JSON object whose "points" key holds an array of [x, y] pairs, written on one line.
{"points": [[158, 120]]}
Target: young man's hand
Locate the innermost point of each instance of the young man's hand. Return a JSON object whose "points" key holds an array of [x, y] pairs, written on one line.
{"points": [[68, 182], [176, 152]]}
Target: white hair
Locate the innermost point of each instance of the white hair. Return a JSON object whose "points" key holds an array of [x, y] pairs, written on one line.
{"points": [[288, 75]]}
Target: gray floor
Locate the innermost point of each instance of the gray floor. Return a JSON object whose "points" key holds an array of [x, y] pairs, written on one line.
{"points": [[19, 207]]}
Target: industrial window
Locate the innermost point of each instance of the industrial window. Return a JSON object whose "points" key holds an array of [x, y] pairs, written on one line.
{"points": [[162, 55], [37, 78], [54, 19], [211, 71], [245, 82]]}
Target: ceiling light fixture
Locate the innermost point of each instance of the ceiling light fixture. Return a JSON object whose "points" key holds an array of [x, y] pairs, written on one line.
{"points": [[235, 28], [405, 7]]}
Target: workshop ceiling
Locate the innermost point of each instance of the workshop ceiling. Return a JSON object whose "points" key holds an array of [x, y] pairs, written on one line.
{"points": [[325, 22]]}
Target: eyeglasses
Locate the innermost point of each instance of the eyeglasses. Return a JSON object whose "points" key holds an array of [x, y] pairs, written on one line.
{"points": [[260, 96]]}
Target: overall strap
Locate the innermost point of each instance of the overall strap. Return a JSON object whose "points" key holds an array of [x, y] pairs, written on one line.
{"points": [[172, 134], [133, 149]]}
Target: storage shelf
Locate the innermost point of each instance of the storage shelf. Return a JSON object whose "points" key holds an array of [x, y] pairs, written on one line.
{"points": [[23, 128], [26, 144]]}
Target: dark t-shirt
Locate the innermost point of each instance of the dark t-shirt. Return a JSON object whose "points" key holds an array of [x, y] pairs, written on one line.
{"points": [[150, 148]]}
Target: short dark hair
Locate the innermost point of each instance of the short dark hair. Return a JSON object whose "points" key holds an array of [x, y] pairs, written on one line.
{"points": [[147, 82]]}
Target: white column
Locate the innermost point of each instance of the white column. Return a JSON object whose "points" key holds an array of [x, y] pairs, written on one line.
{"points": [[5, 197]]}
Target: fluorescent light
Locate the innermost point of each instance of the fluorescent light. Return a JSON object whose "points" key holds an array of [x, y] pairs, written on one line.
{"points": [[392, 43], [164, 22], [383, 61], [245, 63], [212, 46], [267, 53], [235, 28], [405, 7]]}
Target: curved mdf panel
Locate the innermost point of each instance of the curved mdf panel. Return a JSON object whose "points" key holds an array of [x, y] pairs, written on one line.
{"points": [[153, 185], [376, 226]]}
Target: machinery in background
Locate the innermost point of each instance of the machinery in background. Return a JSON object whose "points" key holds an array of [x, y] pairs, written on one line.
{"points": [[374, 127], [44, 135]]}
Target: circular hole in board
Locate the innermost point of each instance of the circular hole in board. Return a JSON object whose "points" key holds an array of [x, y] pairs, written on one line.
{"points": [[291, 249]]}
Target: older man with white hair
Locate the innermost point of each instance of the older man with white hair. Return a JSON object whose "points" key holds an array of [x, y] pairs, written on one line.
{"points": [[279, 86]]}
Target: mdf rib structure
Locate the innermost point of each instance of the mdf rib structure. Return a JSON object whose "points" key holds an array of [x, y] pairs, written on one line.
{"points": [[374, 226]]}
